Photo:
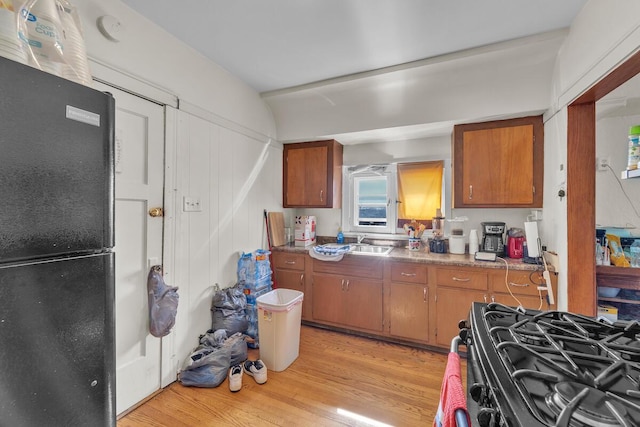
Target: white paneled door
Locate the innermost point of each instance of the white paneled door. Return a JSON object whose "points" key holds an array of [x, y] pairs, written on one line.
{"points": [[139, 169]]}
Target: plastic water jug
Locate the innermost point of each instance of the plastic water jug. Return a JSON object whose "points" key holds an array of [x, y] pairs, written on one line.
{"points": [[635, 253]]}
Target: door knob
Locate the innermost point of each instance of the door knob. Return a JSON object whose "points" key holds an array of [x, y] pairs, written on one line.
{"points": [[155, 212]]}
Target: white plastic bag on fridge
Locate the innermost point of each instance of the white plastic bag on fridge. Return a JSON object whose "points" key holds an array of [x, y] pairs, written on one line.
{"points": [[51, 33]]}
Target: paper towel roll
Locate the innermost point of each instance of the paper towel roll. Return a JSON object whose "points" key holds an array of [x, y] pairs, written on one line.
{"points": [[473, 242], [531, 231]]}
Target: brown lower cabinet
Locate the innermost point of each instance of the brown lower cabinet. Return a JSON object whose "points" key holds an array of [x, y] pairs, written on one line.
{"points": [[408, 301], [458, 288], [289, 270], [348, 293]]}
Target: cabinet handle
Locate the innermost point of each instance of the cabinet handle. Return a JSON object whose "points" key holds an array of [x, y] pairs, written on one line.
{"points": [[347, 285], [493, 298], [457, 279], [342, 284], [288, 262], [302, 280], [520, 285], [408, 274], [424, 294], [470, 192], [485, 297], [321, 196]]}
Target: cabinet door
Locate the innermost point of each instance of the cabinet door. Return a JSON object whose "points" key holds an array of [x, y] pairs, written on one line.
{"points": [[291, 279], [288, 261], [523, 285], [312, 174], [363, 303], [499, 164], [307, 173], [466, 278], [452, 306], [409, 311], [352, 265], [328, 298]]}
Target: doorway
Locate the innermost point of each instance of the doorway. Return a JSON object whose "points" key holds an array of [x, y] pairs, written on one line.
{"points": [[139, 171]]}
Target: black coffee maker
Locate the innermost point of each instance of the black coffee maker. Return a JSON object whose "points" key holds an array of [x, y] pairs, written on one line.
{"points": [[493, 237]]}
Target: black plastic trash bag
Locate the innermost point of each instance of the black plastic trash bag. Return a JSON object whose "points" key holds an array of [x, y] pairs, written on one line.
{"points": [[163, 303], [228, 310], [206, 367]]}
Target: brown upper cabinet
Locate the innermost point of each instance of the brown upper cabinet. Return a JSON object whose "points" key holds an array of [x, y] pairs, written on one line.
{"points": [[312, 175], [499, 164]]}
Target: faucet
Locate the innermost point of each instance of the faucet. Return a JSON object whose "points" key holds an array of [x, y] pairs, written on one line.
{"points": [[361, 238]]}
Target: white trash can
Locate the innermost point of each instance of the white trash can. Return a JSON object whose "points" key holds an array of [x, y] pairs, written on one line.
{"points": [[279, 317]]}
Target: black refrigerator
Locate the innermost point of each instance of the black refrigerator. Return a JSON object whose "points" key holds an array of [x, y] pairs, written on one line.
{"points": [[57, 291]]}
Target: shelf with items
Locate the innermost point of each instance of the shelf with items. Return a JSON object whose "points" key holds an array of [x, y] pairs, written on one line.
{"points": [[620, 300], [618, 277], [628, 281]]}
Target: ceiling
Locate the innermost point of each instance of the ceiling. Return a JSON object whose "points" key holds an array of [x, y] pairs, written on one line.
{"points": [[278, 44]]}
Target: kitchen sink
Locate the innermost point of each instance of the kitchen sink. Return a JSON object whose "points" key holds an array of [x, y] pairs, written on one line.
{"points": [[370, 249]]}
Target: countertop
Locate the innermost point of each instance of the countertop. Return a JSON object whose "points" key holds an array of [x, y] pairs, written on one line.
{"points": [[424, 256]]}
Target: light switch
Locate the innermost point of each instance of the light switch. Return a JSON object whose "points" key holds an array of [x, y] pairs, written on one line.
{"points": [[191, 204]]}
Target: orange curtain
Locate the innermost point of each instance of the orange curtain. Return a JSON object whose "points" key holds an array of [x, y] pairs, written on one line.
{"points": [[419, 189]]}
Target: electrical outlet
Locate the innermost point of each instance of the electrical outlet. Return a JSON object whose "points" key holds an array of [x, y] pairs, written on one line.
{"points": [[602, 164], [191, 204]]}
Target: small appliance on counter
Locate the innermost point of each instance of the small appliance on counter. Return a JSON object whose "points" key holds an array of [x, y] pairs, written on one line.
{"points": [[515, 243], [457, 235], [493, 237], [437, 244]]}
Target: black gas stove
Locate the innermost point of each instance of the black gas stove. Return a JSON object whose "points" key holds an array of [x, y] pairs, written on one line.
{"points": [[551, 368]]}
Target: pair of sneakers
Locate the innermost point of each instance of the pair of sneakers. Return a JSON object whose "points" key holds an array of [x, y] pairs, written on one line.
{"points": [[256, 369]]}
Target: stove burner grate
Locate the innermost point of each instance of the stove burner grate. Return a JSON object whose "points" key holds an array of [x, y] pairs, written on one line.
{"points": [[589, 406], [569, 370]]}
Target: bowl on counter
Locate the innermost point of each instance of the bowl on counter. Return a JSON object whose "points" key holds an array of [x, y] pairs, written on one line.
{"points": [[606, 292]]}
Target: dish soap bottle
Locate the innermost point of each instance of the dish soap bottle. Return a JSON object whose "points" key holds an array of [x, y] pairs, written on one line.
{"points": [[340, 237]]}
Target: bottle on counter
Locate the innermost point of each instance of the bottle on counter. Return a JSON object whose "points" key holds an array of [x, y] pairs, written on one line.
{"points": [[340, 236], [634, 148]]}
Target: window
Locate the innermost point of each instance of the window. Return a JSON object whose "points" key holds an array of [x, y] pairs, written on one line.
{"points": [[371, 200], [419, 191], [382, 198]]}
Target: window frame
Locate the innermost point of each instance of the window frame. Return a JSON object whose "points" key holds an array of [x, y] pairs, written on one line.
{"points": [[390, 170], [349, 200]]}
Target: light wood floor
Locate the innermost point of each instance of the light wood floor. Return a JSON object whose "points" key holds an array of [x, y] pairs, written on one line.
{"points": [[391, 384]]}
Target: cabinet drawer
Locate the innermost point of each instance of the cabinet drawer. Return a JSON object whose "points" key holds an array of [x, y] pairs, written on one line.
{"points": [[520, 282], [408, 272], [462, 278], [355, 265], [289, 261]]}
